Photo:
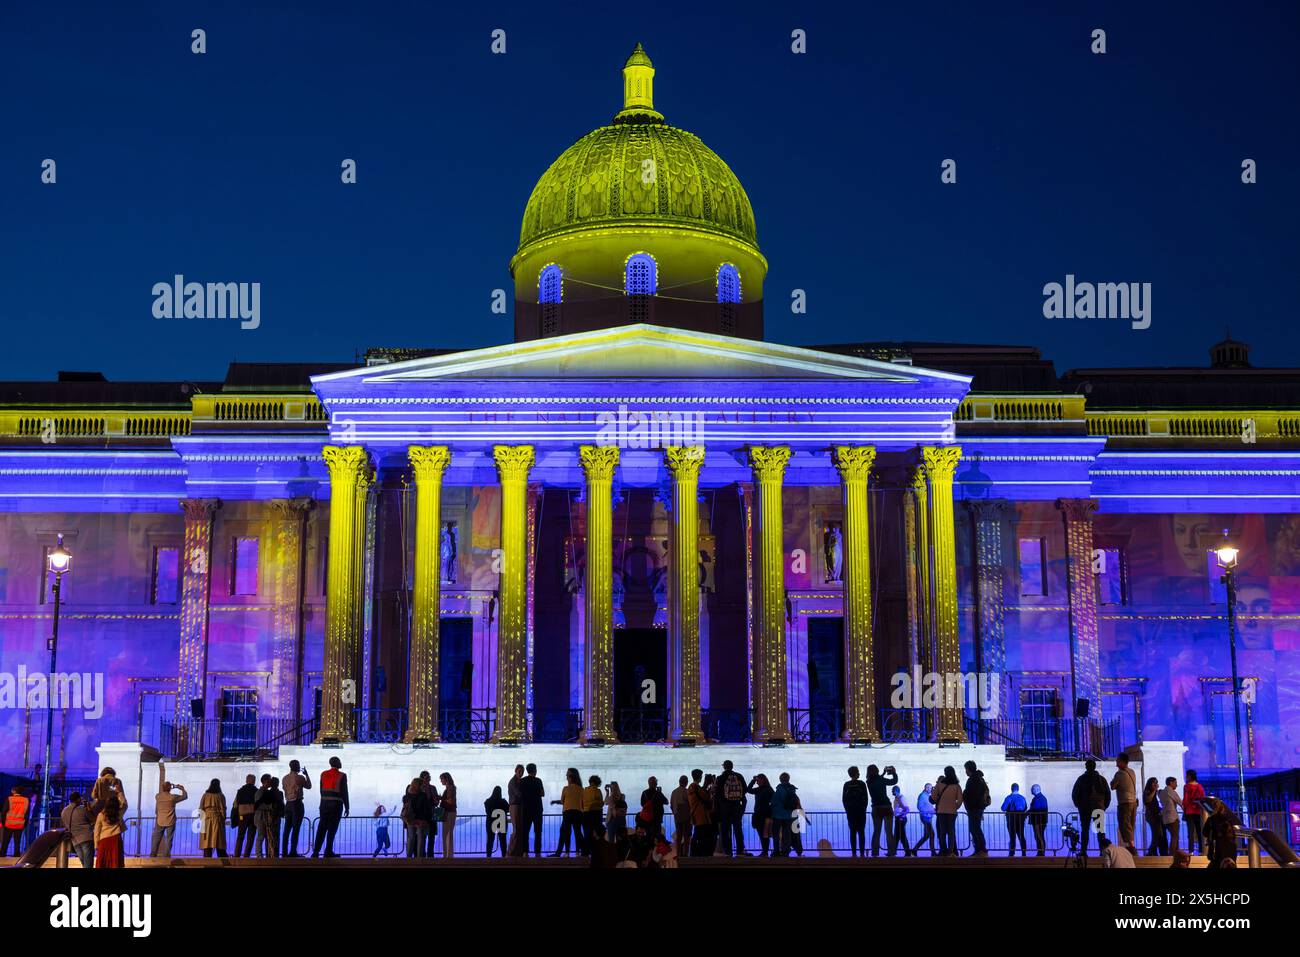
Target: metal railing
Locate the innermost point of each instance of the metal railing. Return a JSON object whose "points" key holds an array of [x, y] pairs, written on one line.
{"points": [[358, 836]]}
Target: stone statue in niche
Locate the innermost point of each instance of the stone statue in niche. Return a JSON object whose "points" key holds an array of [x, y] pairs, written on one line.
{"points": [[833, 551], [447, 552]]}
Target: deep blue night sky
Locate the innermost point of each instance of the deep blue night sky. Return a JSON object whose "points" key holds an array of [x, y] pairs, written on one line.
{"points": [[225, 167]]}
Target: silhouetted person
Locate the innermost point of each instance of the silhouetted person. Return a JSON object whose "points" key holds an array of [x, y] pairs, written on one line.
{"points": [[1038, 818], [531, 792], [334, 806], [1015, 808], [762, 818], [1193, 796], [294, 783], [241, 816], [1124, 784], [653, 803], [946, 798], [854, 798], [496, 810], [1090, 793], [1157, 846], [729, 809], [882, 808], [975, 798]]}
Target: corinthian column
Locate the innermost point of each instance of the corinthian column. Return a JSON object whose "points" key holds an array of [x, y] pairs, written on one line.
{"points": [[428, 464], [513, 465], [940, 464], [350, 478], [768, 680], [854, 465], [598, 463], [196, 585], [684, 591], [1085, 653], [285, 521]]}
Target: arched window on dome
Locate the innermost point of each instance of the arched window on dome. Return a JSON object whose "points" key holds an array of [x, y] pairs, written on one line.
{"points": [[550, 293], [640, 278], [728, 296]]}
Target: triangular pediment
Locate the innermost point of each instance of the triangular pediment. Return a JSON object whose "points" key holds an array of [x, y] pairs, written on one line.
{"points": [[640, 352]]}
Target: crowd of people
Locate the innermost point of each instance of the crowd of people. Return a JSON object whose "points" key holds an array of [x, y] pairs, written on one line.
{"points": [[707, 810]]}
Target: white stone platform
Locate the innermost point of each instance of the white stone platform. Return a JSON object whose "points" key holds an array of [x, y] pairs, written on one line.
{"points": [[379, 773]]}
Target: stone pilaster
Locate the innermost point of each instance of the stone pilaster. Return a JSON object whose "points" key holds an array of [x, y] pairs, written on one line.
{"points": [[428, 463], [196, 588], [598, 464], [351, 475], [940, 465], [854, 465], [989, 520], [1085, 652], [684, 463], [513, 462], [285, 533], [919, 579], [768, 680]]}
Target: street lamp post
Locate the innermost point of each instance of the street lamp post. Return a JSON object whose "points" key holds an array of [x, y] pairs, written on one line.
{"points": [[1227, 555], [58, 562]]}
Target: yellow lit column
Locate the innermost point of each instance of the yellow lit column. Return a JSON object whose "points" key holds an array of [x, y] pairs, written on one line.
{"points": [[768, 680], [919, 555], [513, 465], [854, 465], [684, 463], [196, 587], [428, 464], [350, 478], [940, 464], [598, 463]]}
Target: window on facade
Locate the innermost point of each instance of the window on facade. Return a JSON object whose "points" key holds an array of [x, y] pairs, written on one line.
{"points": [[1107, 564], [550, 293], [238, 720], [243, 567], [728, 296], [165, 589], [639, 282], [1039, 728], [1033, 574], [1214, 576], [1223, 724], [1122, 707]]}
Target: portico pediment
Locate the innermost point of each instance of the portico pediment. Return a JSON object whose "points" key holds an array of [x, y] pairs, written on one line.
{"points": [[640, 352]]}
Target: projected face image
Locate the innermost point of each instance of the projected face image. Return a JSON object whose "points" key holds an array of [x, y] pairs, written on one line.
{"points": [[1189, 532]]}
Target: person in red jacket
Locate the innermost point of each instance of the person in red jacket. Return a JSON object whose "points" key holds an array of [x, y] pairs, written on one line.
{"points": [[333, 806], [1193, 795]]}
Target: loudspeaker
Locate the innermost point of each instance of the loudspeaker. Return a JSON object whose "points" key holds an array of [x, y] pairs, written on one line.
{"points": [[196, 708], [1081, 706], [467, 676]]}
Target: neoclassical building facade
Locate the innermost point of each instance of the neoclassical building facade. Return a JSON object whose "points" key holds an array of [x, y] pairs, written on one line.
{"points": [[640, 522]]}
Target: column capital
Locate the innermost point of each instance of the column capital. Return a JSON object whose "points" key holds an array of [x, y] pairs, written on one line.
{"points": [[347, 461], [513, 462], [989, 509], [684, 461], [1077, 509], [199, 509], [428, 461], [768, 461], [598, 462], [289, 509], [940, 462], [854, 462], [916, 480]]}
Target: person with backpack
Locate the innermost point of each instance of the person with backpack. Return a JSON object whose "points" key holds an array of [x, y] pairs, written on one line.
{"points": [[882, 808], [241, 815], [946, 798], [730, 809], [653, 802], [854, 799], [975, 796], [1090, 793]]}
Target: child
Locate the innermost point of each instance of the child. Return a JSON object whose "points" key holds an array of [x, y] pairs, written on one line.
{"points": [[901, 810], [382, 842]]}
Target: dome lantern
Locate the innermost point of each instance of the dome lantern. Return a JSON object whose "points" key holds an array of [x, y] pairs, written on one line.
{"points": [[638, 90]]}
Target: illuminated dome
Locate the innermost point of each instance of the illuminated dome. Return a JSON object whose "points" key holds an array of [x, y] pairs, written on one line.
{"points": [[638, 222], [606, 178]]}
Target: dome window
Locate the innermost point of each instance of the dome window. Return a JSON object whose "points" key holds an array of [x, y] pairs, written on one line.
{"points": [[639, 275], [728, 283], [550, 292]]}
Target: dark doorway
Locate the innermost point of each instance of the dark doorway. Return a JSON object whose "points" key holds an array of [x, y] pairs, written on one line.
{"points": [[825, 717], [455, 677], [641, 656]]}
